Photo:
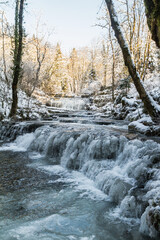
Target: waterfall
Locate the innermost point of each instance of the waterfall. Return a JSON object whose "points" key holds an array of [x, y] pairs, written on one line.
{"points": [[70, 103], [125, 170], [9, 131]]}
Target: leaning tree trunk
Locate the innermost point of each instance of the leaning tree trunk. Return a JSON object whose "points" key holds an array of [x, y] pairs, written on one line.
{"points": [[153, 19], [150, 105], [17, 54]]}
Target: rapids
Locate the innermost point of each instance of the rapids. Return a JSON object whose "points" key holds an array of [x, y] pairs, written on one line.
{"points": [[77, 180]]}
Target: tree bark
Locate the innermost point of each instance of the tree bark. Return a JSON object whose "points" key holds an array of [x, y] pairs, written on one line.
{"points": [[153, 19], [113, 62], [17, 54], [3, 50], [151, 106]]}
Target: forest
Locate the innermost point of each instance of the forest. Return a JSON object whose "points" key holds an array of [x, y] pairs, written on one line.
{"points": [[80, 129], [100, 67]]}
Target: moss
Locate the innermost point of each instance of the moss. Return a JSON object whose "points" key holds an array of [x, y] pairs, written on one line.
{"points": [[153, 18]]}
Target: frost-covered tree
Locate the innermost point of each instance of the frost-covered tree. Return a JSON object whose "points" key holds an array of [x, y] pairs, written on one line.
{"points": [[152, 108], [57, 75], [34, 58], [5, 50]]}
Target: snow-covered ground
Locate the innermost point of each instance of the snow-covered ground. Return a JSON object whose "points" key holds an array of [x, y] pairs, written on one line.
{"points": [[28, 108], [130, 107]]}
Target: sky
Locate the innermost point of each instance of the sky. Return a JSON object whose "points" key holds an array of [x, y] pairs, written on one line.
{"points": [[71, 21]]}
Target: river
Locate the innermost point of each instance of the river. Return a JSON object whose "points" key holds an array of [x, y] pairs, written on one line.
{"points": [[75, 177]]}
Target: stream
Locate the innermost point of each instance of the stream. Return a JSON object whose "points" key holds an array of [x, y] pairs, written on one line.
{"points": [[76, 176]]}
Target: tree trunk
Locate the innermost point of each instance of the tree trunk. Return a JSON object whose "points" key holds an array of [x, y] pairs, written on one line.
{"points": [[3, 50], [17, 54], [113, 62], [153, 19], [151, 106], [105, 56]]}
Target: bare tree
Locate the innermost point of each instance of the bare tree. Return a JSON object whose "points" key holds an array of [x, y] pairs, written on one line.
{"points": [[3, 49], [113, 61], [105, 55], [146, 56], [136, 32], [152, 108], [40, 56]]}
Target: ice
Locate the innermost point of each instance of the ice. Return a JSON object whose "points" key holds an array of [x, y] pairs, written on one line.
{"points": [[98, 165], [146, 226], [128, 206]]}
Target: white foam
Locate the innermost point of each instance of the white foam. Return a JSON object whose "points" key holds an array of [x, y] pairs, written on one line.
{"points": [[81, 183], [21, 144], [88, 187], [55, 224], [88, 238], [54, 169], [117, 214]]}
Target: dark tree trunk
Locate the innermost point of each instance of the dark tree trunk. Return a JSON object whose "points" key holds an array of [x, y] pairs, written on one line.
{"points": [[17, 54], [149, 103], [153, 19]]}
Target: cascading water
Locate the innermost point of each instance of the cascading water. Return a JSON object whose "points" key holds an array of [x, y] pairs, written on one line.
{"points": [[70, 103], [107, 166]]}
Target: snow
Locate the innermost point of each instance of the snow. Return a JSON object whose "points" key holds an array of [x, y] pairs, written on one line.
{"points": [[131, 102], [140, 127], [130, 107], [27, 107], [146, 119]]}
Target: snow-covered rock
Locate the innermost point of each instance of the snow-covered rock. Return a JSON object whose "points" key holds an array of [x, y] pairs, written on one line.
{"points": [[136, 126]]}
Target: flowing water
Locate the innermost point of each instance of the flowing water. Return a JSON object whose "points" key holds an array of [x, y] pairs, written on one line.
{"points": [[75, 103], [77, 177]]}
